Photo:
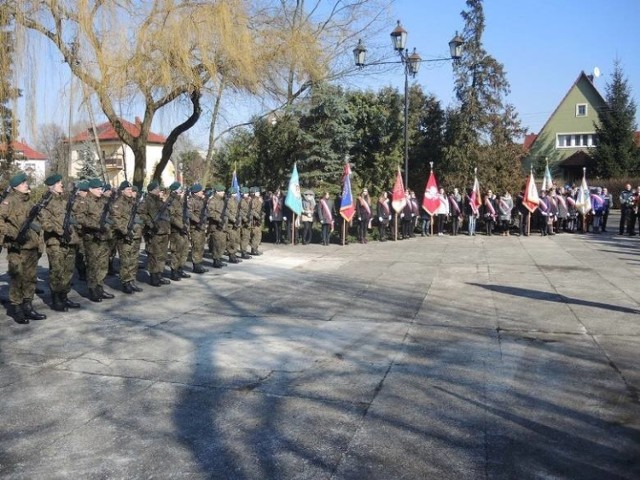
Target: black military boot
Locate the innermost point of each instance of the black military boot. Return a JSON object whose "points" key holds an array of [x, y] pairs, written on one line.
{"points": [[217, 263], [255, 252], [154, 279], [30, 313], [198, 268], [183, 274], [245, 255], [105, 295], [57, 303], [135, 287], [127, 288], [94, 295], [67, 302], [16, 312], [175, 275], [233, 259]]}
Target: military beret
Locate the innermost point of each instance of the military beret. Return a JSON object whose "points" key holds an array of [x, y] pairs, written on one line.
{"points": [[218, 188], [106, 186], [124, 185], [83, 185], [152, 185], [18, 179], [95, 183], [232, 190], [196, 187], [244, 190], [52, 179], [174, 186], [254, 190], [134, 188]]}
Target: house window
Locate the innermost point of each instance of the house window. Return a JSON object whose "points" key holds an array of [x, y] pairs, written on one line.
{"points": [[581, 110], [573, 140]]}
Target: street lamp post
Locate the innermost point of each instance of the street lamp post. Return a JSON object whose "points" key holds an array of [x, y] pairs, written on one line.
{"points": [[411, 64]]}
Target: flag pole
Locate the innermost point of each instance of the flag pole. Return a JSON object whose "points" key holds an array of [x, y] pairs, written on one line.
{"points": [[584, 215], [344, 227], [293, 228]]}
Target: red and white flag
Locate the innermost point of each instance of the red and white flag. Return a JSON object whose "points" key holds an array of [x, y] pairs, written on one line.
{"points": [[531, 199], [431, 200], [476, 196], [398, 199]]}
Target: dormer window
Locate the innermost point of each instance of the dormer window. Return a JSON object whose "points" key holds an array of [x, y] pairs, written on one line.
{"points": [[581, 110]]}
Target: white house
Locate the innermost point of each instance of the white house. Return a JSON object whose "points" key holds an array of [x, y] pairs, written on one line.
{"points": [[118, 157], [27, 159]]}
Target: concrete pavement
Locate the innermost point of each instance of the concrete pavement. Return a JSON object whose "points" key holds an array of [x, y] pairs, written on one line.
{"points": [[443, 357]]}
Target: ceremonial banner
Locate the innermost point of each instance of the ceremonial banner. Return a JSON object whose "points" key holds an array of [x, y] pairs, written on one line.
{"points": [[235, 185], [583, 200], [293, 200], [398, 200], [547, 181], [431, 200], [347, 207], [531, 199], [476, 196]]}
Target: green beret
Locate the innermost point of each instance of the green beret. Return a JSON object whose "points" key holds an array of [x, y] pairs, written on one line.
{"points": [[174, 186], [196, 187], [254, 190], [95, 183], [152, 185], [106, 186], [18, 179], [232, 190], [244, 190], [83, 185], [52, 179], [218, 188], [134, 188], [124, 185]]}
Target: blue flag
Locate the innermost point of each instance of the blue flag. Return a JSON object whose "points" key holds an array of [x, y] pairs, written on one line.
{"points": [[347, 207], [293, 200], [235, 186]]}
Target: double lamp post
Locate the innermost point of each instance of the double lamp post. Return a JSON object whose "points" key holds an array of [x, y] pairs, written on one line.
{"points": [[411, 63]]}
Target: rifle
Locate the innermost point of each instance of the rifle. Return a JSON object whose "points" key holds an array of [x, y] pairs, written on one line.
{"points": [[185, 211], [21, 238], [106, 211], [5, 192], [163, 209], [66, 224], [132, 218], [204, 213]]}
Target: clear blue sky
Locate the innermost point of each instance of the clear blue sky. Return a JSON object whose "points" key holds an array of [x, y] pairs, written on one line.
{"points": [[544, 45]]}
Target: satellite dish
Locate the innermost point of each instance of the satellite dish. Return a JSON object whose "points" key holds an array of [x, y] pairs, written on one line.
{"points": [[596, 72]]}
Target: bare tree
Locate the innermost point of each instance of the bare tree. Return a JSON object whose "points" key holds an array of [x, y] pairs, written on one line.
{"points": [[52, 141]]}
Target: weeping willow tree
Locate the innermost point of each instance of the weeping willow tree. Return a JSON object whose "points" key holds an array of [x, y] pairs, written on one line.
{"points": [[8, 92], [150, 54]]}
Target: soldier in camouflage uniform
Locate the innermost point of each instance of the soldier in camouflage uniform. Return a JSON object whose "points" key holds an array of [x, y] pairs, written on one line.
{"points": [[93, 216], [22, 256], [217, 216], [155, 215], [61, 240], [198, 226], [256, 217], [233, 225], [127, 229], [244, 228], [179, 236]]}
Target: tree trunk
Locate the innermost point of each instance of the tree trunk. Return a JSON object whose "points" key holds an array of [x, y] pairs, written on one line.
{"points": [[140, 160], [167, 149]]}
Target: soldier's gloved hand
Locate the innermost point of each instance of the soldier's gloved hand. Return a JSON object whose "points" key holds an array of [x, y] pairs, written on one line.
{"points": [[359, 219], [284, 218], [270, 218], [402, 215], [35, 226], [185, 231], [379, 219]]}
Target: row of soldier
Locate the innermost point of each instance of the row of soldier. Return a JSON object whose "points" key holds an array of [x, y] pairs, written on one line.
{"points": [[84, 228]]}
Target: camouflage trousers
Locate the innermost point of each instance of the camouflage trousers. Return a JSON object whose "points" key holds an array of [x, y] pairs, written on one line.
{"points": [[23, 274], [157, 251], [62, 260], [256, 237], [128, 251], [245, 238], [198, 239], [233, 239], [217, 243], [179, 246], [96, 253]]}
